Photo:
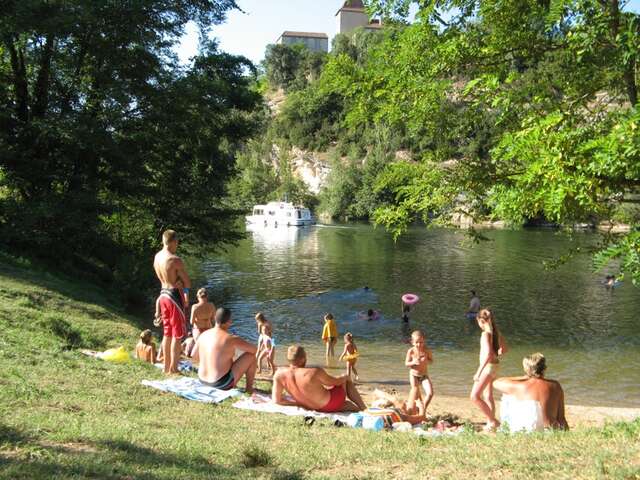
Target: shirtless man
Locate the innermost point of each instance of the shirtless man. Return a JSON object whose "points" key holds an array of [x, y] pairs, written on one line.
{"points": [[474, 306], [214, 352], [313, 388], [171, 271], [202, 314], [533, 386]]}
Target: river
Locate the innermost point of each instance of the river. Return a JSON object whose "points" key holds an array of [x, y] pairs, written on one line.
{"points": [[589, 334]]}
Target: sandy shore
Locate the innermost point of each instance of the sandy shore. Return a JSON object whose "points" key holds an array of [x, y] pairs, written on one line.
{"points": [[577, 415]]}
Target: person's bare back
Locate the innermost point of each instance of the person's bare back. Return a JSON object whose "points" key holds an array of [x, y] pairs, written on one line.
{"points": [[548, 393], [313, 388], [202, 315], [534, 386], [215, 351], [168, 267], [304, 385]]}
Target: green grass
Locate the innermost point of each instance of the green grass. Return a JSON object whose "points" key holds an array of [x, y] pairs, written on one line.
{"points": [[64, 415]]}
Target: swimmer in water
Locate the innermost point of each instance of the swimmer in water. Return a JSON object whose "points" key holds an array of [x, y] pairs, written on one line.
{"points": [[406, 310]]}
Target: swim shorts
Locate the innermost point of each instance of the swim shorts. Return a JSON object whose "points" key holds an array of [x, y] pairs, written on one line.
{"points": [[338, 395], [172, 312], [226, 382]]}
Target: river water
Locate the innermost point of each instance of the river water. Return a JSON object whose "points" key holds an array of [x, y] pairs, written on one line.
{"points": [[589, 334]]}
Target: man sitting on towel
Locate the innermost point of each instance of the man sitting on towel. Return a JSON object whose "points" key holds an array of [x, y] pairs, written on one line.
{"points": [[534, 387], [214, 352], [313, 388]]}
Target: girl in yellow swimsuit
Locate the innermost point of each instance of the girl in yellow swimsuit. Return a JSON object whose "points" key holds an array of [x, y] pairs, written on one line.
{"points": [[350, 354], [329, 336]]}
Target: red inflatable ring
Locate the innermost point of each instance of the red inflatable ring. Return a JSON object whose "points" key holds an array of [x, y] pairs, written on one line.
{"points": [[410, 298]]}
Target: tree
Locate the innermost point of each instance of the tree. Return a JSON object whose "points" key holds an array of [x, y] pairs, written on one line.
{"points": [[105, 140], [524, 109]]}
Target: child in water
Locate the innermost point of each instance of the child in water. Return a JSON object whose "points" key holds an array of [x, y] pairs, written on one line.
{"points": [[406, 309], [492, 346], [350, 354], [418, 358], [329, 336], [146, 349], [266, 349]]}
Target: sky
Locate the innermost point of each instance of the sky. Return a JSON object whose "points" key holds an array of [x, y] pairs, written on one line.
{"points": [[263, 21]]}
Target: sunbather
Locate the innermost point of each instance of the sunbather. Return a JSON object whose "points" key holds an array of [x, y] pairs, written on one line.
{"points": [[215, 350], [534, 387], [313, 388], [146, 348]]}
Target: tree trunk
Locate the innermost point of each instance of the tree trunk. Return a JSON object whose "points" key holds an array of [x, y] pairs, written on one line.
{"points": [[19, 80], [41, 93]]}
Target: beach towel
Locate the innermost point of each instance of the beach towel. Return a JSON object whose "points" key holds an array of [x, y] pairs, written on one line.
{"points": [[192, 389], [262, 403], [520, 415]]}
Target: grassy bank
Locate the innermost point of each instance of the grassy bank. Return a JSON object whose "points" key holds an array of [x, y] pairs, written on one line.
{"points": [[63, 415]]}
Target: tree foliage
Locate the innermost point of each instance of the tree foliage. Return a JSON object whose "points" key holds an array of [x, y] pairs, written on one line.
{"points": [[105, 140]]}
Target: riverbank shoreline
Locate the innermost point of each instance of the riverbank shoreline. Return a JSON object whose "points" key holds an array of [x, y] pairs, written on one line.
{"points": [[578, 416], [64, 415]]}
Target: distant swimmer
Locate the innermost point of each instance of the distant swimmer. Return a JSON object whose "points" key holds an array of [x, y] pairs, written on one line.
{"points": [[474, 305], [610, 281]]}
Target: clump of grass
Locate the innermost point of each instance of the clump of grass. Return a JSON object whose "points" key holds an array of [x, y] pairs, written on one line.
{"points": [[57, 325], [254, 456]]}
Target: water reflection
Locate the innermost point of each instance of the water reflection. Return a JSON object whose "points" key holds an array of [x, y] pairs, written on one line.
{"points": [[589, 333]]}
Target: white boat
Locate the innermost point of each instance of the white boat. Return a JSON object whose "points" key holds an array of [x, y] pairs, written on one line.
{"points": [[280, 214]]}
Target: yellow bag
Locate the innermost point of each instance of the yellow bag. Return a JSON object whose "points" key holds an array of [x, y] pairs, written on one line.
{"points": [[115, 355]]}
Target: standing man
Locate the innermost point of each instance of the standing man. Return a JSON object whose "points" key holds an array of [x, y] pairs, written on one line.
{"points": [[170, 270], [474, 306]]}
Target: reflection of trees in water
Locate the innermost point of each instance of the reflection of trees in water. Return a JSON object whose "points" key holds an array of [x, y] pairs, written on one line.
{"points": [[567, 307]]}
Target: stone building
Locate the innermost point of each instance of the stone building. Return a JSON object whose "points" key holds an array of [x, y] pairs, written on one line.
{"points": [[353, 15], [316, 42]]}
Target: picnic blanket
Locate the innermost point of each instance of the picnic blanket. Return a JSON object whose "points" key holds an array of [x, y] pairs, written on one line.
{"points": [[262, 403], [192, 389]]}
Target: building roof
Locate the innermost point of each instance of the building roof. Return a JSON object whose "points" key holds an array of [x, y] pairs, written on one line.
{"points": [[304, 34], [352, 6]]}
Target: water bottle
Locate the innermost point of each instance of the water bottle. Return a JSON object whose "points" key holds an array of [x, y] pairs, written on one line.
{"points": [[355, 420], [373, 423]]}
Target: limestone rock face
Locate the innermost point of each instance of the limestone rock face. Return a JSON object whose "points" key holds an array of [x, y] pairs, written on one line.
{"points": [[311, 167]]}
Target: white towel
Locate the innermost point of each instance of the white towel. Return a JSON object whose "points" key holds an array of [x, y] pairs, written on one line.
{"points": [[521, 415], [262, 403]]}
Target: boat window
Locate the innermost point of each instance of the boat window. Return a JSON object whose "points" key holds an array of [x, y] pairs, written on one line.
{"points": [[271, 212], [299, 213]]}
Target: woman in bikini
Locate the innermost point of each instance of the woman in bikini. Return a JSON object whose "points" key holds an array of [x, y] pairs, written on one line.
{"points": [[492, 346]]}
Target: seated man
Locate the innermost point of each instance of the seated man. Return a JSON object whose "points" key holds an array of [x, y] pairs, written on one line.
{"points": [[545, 395], [313, 388], [214, 352]]}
